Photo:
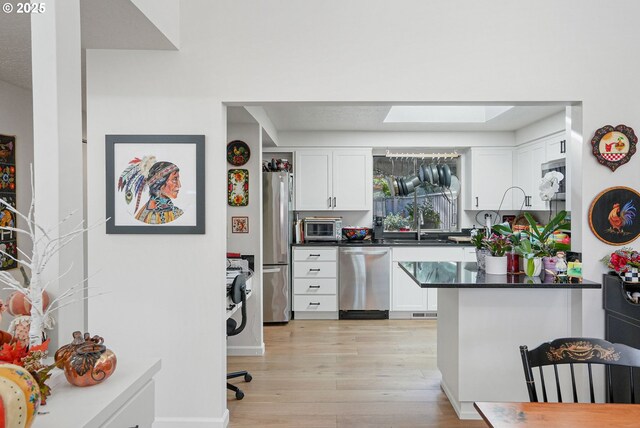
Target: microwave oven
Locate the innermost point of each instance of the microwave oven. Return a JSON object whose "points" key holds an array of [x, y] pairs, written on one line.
{"points": [[322, 229], [560, 166]]}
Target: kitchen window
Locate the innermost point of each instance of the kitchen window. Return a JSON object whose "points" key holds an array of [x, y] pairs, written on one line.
{"points": [[402, 198]]}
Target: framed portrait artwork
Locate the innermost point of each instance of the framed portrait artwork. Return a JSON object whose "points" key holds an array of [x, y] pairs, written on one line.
{"points": [[239, 224], [155, 184], [613, 215], [614, 147]]}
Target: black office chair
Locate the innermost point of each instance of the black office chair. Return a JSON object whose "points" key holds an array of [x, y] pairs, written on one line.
{"points": [[238, 294], [617, 358]]}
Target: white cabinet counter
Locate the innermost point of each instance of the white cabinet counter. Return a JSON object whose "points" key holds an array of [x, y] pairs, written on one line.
{"points": [[124, 400], [315, 282]]}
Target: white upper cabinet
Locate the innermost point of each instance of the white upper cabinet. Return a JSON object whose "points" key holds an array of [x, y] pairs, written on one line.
{"points": [[527, 175], [334, 180], [313, 179], [490, 175], [556, 147]]}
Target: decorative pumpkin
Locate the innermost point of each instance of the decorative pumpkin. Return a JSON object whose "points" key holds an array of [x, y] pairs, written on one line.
{"points": [[19, 395], [90, 364], [19, 305], [66, 351]]}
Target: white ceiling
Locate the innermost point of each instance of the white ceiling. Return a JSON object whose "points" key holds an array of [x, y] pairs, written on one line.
{"points": [[113, 24], [327, 117]]}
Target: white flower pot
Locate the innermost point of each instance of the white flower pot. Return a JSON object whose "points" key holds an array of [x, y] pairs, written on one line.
{"points": [[532, 266], [481, 253], [495, 265]]}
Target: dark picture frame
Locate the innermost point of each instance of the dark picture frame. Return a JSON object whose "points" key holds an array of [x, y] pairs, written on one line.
{"points": [[613, 147], [613, 215], [155, 184]]}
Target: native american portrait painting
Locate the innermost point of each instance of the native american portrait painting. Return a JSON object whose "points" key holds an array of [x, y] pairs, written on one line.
{"points": [[155, 184]]}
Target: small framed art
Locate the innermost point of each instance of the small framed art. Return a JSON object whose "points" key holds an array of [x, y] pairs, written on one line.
{"points": [[155, 184], [240, 224]]}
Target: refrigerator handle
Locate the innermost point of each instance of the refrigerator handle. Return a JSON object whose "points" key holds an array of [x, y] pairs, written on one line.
{"points": [[270, 270], [283, 207]]}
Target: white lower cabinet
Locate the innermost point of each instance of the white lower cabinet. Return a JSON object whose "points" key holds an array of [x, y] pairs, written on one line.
{"points": [[408, 299], [315, 282], [137, 412]]}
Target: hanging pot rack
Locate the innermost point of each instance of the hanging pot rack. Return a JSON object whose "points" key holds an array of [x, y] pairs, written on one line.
{"points": [[453, 155]]}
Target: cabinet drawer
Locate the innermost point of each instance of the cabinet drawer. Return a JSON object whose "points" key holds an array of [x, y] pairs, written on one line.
{"points": [[304, 303], [137, 412], [314, 270], [315, 286], [315, 254]]}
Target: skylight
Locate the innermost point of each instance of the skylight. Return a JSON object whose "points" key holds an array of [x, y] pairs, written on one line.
{"points": [[444, 114]]}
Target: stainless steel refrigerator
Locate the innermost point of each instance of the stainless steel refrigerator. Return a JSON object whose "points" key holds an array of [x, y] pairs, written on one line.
{"points": [[277, 188]]}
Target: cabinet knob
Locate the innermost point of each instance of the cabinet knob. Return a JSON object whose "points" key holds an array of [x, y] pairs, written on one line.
{"points": [[314, 303], [329, 202], [314, 255], [477, 202], [314, 286], [314, 270], [334, 202]]}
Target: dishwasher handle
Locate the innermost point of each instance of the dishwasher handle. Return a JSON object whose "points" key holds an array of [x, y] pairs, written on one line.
{"points": [[366, 252]]}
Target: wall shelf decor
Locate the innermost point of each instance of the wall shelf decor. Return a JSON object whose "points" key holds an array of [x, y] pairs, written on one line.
{"points": [[238, 153], [155, 184], [613, 215], [614, 147]]}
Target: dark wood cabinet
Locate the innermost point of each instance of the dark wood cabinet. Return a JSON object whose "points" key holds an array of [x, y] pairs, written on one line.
{"points": [[622, 325]]}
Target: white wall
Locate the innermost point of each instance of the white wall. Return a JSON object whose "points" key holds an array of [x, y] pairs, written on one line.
{"points": [[360, 50], [542, 128], [250, 342], [165, 15], [16, 118]]}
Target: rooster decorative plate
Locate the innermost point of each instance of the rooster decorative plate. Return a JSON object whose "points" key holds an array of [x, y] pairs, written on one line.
{"points": [[614, 146], [613, 215], [238, 153]]}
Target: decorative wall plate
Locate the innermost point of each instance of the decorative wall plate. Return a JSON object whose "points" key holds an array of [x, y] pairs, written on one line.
{"points": [[614, 146], [613, 215], [238, 153], [238, 187]]}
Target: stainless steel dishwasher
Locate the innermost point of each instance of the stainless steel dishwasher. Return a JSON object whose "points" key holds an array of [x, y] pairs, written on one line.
{"points": [[365, 280]]}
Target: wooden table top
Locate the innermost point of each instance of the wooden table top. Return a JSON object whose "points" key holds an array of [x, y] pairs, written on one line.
{"points": [[583, 415]]}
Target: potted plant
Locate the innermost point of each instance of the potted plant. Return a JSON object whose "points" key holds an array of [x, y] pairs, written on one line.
{"points": [[530, 253], [477, 240], [625, 262], [548, 246], [496, 262], [428, 216], [395, 222]]}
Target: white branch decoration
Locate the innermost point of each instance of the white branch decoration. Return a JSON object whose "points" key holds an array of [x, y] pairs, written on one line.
{"points": [[45, 247]]}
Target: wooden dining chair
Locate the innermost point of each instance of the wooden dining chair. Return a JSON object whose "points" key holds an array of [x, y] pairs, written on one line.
{"points": [[581, 351]]}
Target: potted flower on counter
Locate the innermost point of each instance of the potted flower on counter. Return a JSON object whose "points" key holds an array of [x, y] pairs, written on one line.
{"points": [[496, 262], [478, 240], [625, 262], [531, 254], [548, 245]]}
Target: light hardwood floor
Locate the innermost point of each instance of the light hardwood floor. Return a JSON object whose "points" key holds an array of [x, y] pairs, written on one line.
{"points": [[360, 373]]}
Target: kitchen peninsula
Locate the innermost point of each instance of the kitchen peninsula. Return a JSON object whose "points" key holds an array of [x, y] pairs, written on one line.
{"points": [[482, 321]]}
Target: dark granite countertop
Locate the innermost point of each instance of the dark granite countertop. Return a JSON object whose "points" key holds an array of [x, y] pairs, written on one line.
{"points": [[466, 275], [387, 243]]}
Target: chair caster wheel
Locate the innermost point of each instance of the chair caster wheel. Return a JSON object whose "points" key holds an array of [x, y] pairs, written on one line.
{"points": [[247, 377], [239, 395]]}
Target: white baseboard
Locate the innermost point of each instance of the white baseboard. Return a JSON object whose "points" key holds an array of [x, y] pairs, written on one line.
{"points": [[222, 422], [413, 315], [245, 351], [464, 409]]}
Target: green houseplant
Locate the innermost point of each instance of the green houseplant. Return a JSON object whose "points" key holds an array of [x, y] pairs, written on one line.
{"points": [[548, 246], [496, 262], [530, 253]]}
